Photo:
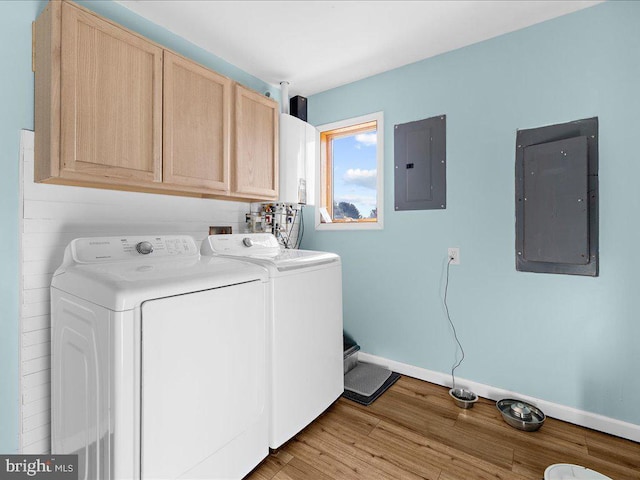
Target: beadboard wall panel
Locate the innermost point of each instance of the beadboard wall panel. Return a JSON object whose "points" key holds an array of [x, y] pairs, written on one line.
{"points": [[52, 216]]}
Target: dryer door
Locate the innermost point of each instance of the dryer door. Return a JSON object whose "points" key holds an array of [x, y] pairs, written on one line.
{"points": [[203, 383]]}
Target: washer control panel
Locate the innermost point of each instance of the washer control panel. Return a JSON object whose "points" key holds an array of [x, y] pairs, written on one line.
{"points": [[241, 244], [114, 249]]}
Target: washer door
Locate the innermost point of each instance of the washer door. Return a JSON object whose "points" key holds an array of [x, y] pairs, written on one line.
{"points": [[203, 382]]}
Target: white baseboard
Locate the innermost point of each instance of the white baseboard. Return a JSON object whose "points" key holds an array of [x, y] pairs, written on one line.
{"points": [[594, 421]]}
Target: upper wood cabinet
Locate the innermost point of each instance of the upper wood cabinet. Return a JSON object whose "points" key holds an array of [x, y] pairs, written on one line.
{"points": [[98, 100], [197, 126], [115, 110], [255, 145]]}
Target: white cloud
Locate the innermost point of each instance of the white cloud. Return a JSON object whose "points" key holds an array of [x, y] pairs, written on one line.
{"points": [[367, 139], [359, 200], [361, 178]]}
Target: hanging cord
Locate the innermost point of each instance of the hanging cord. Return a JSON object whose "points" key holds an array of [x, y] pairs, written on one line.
{"points": [[284, 236], [288, 242], [300, 228], [455, 334], [293, 225], [285, 232], [281, 233]]}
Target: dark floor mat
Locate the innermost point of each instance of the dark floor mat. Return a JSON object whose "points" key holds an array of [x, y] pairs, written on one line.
{"points": [[368, 400]]}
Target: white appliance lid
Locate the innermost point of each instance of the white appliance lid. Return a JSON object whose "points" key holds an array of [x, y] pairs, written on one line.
{"points": [[113, 273], [264, 248]]}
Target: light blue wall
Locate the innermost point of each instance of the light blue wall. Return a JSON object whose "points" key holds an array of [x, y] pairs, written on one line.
{"points": [[566, 339], [16, 112]]}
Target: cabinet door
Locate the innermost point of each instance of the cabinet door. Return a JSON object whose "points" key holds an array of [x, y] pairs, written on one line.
{"points": [[111, 102], [196, 133], [255, 145]]}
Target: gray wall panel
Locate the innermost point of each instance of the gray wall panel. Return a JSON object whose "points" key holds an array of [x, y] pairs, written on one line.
{"points": [[420, 164], [557, 198]]}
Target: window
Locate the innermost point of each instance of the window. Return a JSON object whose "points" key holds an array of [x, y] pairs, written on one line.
{"points": [[350, 194]]}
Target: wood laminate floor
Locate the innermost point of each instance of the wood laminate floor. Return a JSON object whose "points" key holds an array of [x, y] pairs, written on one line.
{"points": [[414, 431]]}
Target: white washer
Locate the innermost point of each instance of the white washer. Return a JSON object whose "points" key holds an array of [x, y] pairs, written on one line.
{"points": [[158, 360], [304, 328]]}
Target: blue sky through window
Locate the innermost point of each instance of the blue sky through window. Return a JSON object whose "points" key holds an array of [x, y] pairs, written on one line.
{"points": [[354, 171]]}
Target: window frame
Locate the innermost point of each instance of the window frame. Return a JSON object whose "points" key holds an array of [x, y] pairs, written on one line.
{"points": [[348, 127]]}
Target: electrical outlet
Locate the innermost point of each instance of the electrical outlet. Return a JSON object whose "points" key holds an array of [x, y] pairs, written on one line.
{"points": [[453, 255]]}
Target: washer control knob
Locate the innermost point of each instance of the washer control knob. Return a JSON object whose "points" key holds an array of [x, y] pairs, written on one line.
{"points": [[247, 242], [145, 248]]}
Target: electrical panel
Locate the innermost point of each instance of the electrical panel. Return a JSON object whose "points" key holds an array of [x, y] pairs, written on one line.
{"points": [[420, 164], [557, 198]]}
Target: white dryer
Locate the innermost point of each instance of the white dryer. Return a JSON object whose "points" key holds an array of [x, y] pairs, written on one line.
{"points": [[158, 360], [306, 373]]}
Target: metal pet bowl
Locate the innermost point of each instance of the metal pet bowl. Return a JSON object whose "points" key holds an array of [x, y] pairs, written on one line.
{"points": [[463, 398], [521, 415]]}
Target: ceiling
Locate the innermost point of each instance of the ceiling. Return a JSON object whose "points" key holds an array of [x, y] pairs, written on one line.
{"points": [[319, 45]]}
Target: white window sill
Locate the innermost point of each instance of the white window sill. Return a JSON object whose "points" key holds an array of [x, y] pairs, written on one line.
{"points": [[349, 226]]}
